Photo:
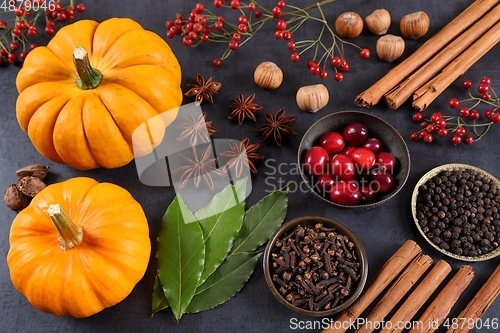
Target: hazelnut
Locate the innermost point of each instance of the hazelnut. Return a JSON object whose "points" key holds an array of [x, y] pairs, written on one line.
{"points": [[349, 25], [14, 199], [414, 25], [268, 75], [312, 98], [390, 47], [378, 22]]}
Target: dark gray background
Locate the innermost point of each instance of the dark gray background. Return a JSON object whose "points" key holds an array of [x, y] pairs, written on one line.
{"points": [[382, 229]]}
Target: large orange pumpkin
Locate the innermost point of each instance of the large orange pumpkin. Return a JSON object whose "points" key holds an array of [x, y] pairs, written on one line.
{"points": [[83, 95], [79, 247]]}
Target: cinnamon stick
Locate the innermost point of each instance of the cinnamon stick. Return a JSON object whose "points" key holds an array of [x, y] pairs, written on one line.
{"points": [[441, 306], [478, 305], [399, 94], [399, 288], [475, 11], [394, 265], [431, 90], [417, 298]]}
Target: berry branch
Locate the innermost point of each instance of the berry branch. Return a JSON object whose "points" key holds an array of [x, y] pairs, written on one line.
{"points": [[469, 117], [18, 33], [203, 25]]}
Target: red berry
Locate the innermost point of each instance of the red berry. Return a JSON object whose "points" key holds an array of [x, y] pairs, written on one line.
{"points": [[233, 45], [12, 58], [453, 103], [332, 142], [258, 14], [488, 113], [315, 70], [486, 97], [311, 63], [355, 133], [235, 4], [242, 19], [468, 139], [251, 6], [3, 23], [19, 11], [435, 116], [281, 4], [13, 46], [80, 7], [49, 31], [467, 84], [495, 117], [338, 76], [216, 62], [460, 131], [276, 12], [278, 34], [414, 136], [440, 123], [323, 75], [364, 53], [236, 36], [242, 28], [315, 161], [345, 193], [32, 31], [291, 45], [464, 112], [430, 128], [281, 25], [417, 116], [324, 183], [336, 61], [363, 158], [343, 66], [374, 144], [217, 3], [287, 35], [23, 55], [482, 88], [383, 180], [386, 161], [342, 166], [295, 57], [428, 138], [474, 115], [442, 131], [62, 16], [486, 81], [199, 7], [33, 46], [456, 139]]}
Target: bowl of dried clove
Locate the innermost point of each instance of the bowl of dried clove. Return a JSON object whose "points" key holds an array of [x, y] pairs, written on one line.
{"points": [[315, 266]]}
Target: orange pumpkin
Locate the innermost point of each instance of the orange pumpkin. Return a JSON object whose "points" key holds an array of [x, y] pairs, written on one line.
{"points": [[79, 247], [83, 95]]}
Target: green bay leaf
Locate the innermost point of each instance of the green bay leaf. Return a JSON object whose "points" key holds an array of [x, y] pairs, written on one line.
{"points": [[221, 221], [159, 301], [180, 255], [261, 221], [225, 282]]}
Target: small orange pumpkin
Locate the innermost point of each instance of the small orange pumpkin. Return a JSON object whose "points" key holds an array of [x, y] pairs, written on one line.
{"points": [[83, 95], [79, 247]]}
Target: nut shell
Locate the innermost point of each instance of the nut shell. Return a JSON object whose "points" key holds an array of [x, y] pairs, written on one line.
{"points": [[349, 25], [14, 199], [414, 25], [378, 22], [312, 98], [268, 75], [30, 185], [390, 47], [35, 170]]}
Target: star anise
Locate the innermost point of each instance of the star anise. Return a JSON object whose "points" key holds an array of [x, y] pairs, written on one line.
{"points": [[196, 129], [244, 107], [203, 89], [277, 126], [199, 168], [237, 160]]}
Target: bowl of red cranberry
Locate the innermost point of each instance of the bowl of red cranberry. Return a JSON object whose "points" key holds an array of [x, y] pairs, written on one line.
{"points": [[353, 159]]}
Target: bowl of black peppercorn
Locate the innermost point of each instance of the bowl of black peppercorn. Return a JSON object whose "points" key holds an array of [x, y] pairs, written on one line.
{"points": [[315, 266], [456, 208]]}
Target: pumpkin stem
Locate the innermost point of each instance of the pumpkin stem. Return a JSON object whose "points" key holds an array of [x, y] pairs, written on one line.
{"points": [[88, 77], [70, 234]]}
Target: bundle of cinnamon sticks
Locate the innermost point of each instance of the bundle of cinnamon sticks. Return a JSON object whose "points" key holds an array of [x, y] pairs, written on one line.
{"points": [[406, 283], [443, 58]]}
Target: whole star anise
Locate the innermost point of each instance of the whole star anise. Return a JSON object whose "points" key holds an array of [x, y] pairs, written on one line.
{"points": [[276, 126], [237, 160], [203, 89], [244, 107], [199, 168], [196, 129]]}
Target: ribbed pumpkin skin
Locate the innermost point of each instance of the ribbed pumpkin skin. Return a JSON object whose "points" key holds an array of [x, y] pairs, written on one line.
{"points": [[88, 129], [96, 274]]}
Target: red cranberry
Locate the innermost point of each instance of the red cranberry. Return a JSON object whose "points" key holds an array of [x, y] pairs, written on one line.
{"points": [[332, 142], [363, 158], [315, 160], [382, 181], [355, 133], [373, 144], [345, 193], [368, 192], [324, 183], [386, 161], [342, 166]]}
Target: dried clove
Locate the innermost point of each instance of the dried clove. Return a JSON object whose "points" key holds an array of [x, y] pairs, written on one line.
{"points": [[314, 267]]}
